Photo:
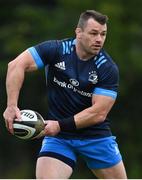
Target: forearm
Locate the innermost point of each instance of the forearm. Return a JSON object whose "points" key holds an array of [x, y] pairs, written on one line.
{"points": [[83, 119], [14, 81], [89, 117], [101, 105]]}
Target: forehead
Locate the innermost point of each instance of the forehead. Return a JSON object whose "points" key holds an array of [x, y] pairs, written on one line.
{"points": [[94, 25]]}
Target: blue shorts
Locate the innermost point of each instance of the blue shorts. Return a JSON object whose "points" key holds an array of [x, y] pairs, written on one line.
{"points": [[97, 153]]}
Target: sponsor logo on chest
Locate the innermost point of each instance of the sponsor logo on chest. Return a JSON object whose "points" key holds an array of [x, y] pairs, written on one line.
{"points": [[93, 78]]}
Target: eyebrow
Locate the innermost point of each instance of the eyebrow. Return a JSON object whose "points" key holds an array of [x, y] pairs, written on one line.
{"points": [[93, 30]]}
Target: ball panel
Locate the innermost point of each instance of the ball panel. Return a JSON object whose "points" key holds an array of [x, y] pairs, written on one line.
{"points": [[28, 115], [30, 126], [23, 132]]}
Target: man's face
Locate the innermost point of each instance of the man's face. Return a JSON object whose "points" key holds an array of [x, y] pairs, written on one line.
{"points": [[92, 37]]}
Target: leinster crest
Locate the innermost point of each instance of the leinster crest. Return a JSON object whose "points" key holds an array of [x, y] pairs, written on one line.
{"points": [[93, 77]]}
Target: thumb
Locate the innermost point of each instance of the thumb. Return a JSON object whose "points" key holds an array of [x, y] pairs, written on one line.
{"points": [[18, 114], [45, 122]]}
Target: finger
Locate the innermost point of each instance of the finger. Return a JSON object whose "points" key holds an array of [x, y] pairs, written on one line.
{"points": [[10, 127], [46, 130], [45, 122], [18, 115], [6, 124]]}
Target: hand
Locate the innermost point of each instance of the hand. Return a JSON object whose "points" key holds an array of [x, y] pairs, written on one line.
{"points": [[10, 114], [51, 128]]}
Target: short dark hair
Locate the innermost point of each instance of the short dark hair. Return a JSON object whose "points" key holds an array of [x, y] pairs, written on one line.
{"points": [[100, 18]]}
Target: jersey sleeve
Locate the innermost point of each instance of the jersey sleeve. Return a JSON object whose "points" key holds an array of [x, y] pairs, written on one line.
{"points": [[44, 53], [109, 82]]}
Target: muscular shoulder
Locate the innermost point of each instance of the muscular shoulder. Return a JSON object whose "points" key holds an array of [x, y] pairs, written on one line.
{"points": [[105, 63], [107, 70], [103, 59], [52, 49]]}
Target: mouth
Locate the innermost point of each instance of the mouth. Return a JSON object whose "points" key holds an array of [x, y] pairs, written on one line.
{"points": [[96, 47]]}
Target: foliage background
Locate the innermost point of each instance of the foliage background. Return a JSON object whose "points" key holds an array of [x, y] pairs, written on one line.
{"points": [[26, 23]]}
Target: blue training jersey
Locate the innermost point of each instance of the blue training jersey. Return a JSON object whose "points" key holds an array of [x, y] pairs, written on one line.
{"points": [[71, 82]]}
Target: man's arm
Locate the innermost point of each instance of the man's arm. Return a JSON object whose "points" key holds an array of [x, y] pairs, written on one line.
{"points": [[14, 80], [101, 105]]}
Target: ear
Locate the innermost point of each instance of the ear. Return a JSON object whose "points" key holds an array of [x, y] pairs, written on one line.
{"points": [[78, 32]]}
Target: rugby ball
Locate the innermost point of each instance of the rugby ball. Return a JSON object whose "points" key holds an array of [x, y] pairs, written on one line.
{"points": [[30, 126]]}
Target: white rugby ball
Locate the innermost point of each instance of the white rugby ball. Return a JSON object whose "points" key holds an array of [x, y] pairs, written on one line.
{"points": [[30, 126]]}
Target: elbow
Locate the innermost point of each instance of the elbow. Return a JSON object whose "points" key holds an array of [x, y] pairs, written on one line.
{"points": [[15, 70], [15, 66], [101, 117], [11, 65]]}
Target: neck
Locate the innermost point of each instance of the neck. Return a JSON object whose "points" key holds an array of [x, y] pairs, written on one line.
{"points": [[82, 54]]}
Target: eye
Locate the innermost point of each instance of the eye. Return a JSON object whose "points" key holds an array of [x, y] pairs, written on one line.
{"points": [[103, 34], [94, 33]]}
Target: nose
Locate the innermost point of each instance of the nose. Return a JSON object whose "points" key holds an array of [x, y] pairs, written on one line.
{"points": [[98, 38]]}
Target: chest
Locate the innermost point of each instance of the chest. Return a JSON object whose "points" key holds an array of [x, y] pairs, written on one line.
{"points": [[69, 70]]}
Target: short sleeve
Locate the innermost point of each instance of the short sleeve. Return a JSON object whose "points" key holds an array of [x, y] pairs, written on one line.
{"points": [[44, 53], [110, 78], [109, 82]]}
